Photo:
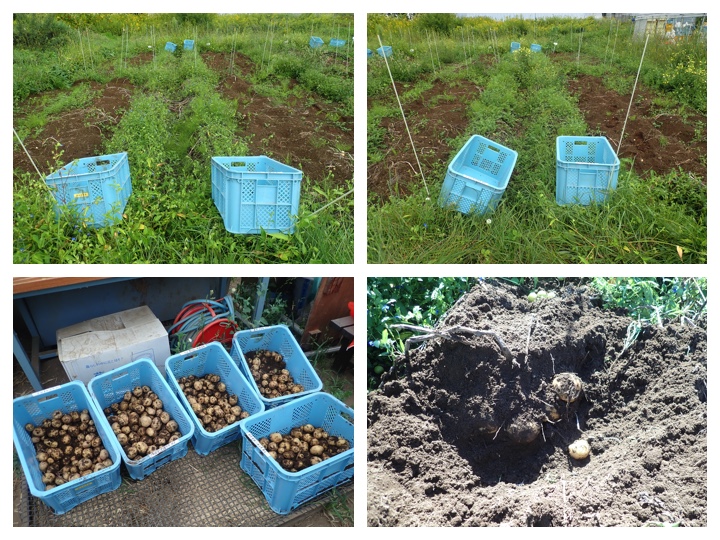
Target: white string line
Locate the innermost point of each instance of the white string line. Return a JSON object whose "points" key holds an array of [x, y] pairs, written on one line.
{"points": [[384, 55], [332, 202], [28, 155], [627, 115]]}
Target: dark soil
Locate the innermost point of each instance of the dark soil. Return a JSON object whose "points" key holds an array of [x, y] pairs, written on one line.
{"points": [[78, 133], [453, 438], [309, 134], [436, 117], [659, 142]]}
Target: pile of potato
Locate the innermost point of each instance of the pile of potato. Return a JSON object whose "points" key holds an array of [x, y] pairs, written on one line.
{"points": [[67, 447], [140, 423], [303, 447], [268, 371], [211, 402]]}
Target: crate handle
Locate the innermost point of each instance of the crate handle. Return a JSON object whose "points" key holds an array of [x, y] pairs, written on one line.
{"points": [[190, 357], [493, 148], [580, 143], [257, 337], [80, 490], [120, 375], [103, 162], [47, 398], [238, 164]]}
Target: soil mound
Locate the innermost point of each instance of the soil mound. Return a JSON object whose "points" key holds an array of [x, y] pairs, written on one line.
{"points": [[462, 435]]}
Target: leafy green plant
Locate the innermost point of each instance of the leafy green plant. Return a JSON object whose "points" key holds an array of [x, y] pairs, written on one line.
{"points": [[656, 300], [39, 30], [418, 301]]}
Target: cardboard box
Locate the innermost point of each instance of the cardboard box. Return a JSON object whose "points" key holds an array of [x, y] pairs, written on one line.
{"points": [[96, 346]]}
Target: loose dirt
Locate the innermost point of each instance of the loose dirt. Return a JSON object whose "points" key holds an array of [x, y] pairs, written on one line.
{"points": [[436, 117], [462, 436], [658, 141], [78, 133], [310, 134]]}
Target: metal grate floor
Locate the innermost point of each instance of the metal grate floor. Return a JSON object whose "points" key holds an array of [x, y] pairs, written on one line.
{"points": [[192, 491]]}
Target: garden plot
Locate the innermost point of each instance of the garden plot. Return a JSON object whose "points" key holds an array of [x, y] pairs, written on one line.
{"points": [[307, 131], [77, 133], [463, 435], [437, 116], [658, 141]]}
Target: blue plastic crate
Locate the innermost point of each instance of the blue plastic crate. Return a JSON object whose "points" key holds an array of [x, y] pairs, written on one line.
{"points": [[316, 42], [35, 408], [189, 44], [514, 46], [110, 388], [477, 176], [278, 339], [535, 47], [586, 170], [334, 42], [170, 46], [283, 490], [385, 51], [212, 358], [96, 188], [256, 193]]}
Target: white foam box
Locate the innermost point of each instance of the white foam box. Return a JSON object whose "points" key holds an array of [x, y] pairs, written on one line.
{"points": [[94, 347]]}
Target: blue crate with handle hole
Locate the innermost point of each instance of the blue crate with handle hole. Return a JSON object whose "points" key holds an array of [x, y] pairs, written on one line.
{"points": [[284, 490], [212, 359], [110, 387], [96, 189], [278, 339], [478, 176], [586, 170], [255, 194], [170, 46], [315, 42], [37, 407], [189, 44]]}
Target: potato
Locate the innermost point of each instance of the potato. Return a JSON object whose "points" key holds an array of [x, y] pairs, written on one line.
{"points": [[567, 386], [580, 449]]}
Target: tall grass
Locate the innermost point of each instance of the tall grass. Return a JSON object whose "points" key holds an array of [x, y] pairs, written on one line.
{"points": [[176, 122], [525, 105]]}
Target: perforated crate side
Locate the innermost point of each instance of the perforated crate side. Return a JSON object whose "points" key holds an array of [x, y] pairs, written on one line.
{"points": [[110, 387], [587, 169], [284, 490], [478, 176], [279, 339], [256, 193], [96, 188], [39, 406], [212, 358]]}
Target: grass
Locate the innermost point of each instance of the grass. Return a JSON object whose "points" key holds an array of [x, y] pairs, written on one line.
{"points": [[176, 122], [339, 510], [524, 105]]}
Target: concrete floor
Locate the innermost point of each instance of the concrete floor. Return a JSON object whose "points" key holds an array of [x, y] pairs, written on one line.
{"points": [[52, 374]]}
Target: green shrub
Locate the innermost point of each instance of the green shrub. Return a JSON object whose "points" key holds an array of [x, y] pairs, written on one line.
{"points": [[39, 31]]}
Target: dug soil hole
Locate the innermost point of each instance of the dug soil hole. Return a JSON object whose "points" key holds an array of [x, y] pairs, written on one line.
{"points": [[462, 435]]}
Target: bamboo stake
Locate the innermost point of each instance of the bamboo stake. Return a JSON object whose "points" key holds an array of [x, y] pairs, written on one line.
{"points": [[402, 112], [82, 51], [608, 41], [432, 60], [612, 56], [627, 115]]}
